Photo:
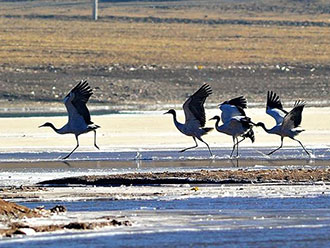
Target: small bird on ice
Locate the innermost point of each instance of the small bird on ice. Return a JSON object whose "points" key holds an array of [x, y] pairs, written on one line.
{"points": [[79, 121]]}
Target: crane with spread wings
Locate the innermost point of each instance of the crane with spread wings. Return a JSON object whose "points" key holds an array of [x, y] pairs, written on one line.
{"points": [[287, 123], [194, 111], [235, 121], [79, 121]]}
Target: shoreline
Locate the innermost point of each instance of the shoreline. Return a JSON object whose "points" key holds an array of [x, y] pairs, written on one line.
{"points": [[57, 109]]}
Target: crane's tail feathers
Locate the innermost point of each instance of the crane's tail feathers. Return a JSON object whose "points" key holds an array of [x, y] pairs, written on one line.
{"points": [[298, 131], [249, 134], [207, 129], [93, 126]]}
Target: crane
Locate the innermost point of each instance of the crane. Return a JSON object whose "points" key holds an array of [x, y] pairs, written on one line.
{"points": [[235, 121], [195, 116], [287, 123], [79, 121]]}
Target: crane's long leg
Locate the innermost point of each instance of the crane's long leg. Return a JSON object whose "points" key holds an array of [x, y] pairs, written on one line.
{"points": [[231, 154], [277, 148], [302, 146], [95, 140], [238, 143], [206, 145], [73, 149], [190, 147]]}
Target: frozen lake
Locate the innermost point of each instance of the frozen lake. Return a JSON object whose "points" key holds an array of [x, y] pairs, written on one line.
{"points": [[198, 222], [167, 154]]}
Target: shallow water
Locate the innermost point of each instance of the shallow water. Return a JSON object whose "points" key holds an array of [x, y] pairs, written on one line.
{"points": [[199, 222], [258, 153], [202, 204], [279, 237], [27, 168]]}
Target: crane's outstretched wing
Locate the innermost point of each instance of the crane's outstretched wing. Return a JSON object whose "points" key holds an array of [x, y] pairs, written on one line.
{"points": [[232, 108], [294, 117], [274, 107], [76, 100], [238, 101], [194, 105]]}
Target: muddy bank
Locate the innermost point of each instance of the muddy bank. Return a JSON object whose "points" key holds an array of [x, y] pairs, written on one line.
{"points": [[10, 210], [200, 177], [18, 220], [149, 86], [17, 228]]}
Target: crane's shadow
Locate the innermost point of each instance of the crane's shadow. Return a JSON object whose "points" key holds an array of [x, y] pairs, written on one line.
{"points": [[66, 163], [235, 162]]}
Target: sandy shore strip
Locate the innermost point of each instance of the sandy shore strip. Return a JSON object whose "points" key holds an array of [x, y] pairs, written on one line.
{"points": [[150, 130]]}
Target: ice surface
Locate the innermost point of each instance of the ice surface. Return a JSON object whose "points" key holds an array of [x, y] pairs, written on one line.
{"points": [[207, 222], [255, 153]]}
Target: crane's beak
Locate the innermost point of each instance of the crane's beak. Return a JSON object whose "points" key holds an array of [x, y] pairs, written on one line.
{"points": [[42, 125], [165, 113], [214, 118]]}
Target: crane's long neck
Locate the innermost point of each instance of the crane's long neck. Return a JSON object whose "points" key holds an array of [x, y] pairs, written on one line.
{"points": [[217, 123], [176, 123], [260, 124], [54, 128]]}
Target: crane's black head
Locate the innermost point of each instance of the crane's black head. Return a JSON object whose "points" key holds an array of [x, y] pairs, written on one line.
{"points": [[260, 124], [171, 111], [217, 118], [47, 124]]}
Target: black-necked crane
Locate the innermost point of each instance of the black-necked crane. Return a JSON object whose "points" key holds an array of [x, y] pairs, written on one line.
{"points": [[79, 117], [195, 116], [235, 121], [287, 123]]}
